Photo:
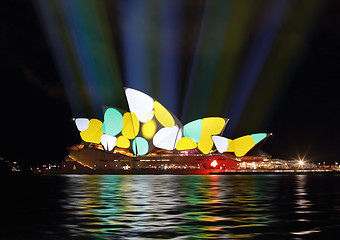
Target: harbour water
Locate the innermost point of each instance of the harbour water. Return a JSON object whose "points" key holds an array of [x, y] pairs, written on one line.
{"points": [[170, 207]]}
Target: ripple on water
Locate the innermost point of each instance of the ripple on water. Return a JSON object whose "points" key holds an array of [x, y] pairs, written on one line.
{"points": [[172, 207]]}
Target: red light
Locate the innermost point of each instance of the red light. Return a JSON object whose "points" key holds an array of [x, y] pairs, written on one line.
{"points": [[214, 163]]}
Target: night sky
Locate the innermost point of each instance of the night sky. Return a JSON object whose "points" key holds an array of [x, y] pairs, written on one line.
{"points": [[36, 117]]}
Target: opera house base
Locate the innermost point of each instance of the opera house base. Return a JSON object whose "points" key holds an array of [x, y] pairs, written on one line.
{"points": [[93, 160], [96, 161], [130, 172]]}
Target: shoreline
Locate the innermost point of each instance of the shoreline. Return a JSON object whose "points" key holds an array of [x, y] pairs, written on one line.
{"points": [[188, 172], [277, 172]]}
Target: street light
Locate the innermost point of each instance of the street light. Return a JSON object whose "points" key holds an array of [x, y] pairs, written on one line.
{"points": [[301, 163]]}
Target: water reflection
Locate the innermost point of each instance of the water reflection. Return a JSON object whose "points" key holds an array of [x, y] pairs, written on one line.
{"points": [[170, 207], [303, 207], [167, 207]]}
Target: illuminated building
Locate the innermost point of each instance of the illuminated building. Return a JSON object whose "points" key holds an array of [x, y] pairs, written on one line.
{"points": [[151, 137]]}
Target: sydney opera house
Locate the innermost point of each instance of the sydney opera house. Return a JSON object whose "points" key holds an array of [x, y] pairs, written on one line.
{"points": [[149, 138]]}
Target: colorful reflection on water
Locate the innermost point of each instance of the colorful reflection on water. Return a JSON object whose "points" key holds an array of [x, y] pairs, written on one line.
{"points": [[177, 207]]}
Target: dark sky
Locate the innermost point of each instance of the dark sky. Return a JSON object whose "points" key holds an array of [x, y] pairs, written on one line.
{"points": [[36, 120], [307, 120]]}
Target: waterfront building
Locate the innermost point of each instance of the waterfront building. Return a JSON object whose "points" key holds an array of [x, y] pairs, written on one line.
{"points": [[151, 137]]}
